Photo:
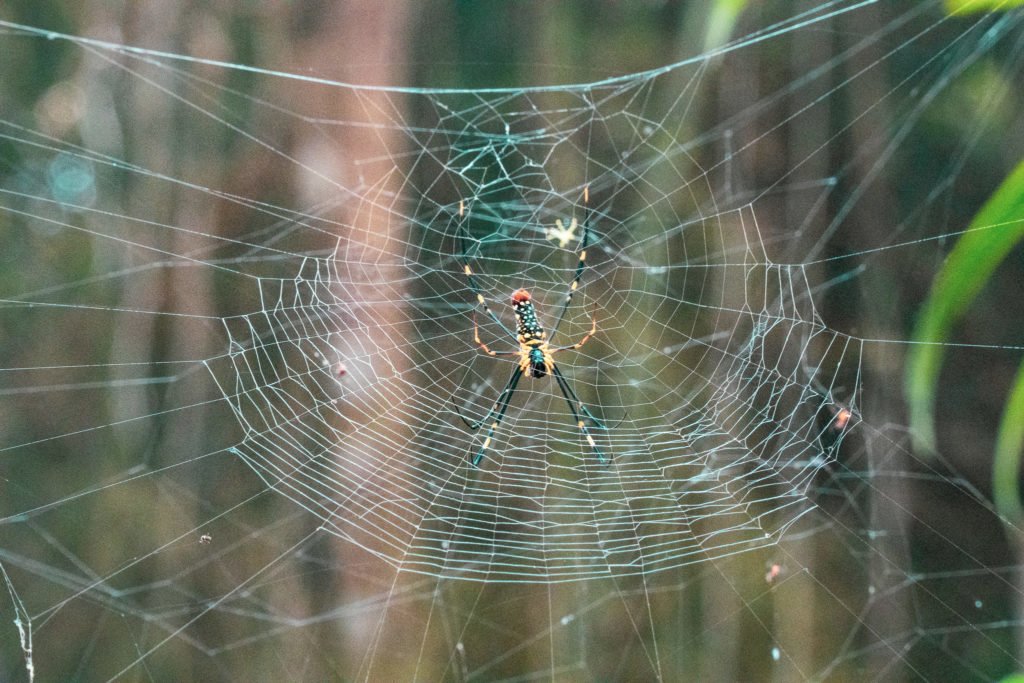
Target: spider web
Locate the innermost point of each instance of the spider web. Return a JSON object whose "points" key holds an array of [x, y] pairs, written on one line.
{"points": [[712, 464], [282, 367]]}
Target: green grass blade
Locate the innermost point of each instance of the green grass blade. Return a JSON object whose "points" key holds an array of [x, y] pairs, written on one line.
{"points": [[721, 22], [993, 232], [962, 7], [1009, 445]]}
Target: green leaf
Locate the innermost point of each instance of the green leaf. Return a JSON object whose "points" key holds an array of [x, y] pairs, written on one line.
{"points": [[993, 232], [1009, 445], [721, 22], [961, 7], [1013, 678]]}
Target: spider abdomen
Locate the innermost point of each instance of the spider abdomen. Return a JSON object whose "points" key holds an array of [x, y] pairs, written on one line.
{"points": [[528, 328]]}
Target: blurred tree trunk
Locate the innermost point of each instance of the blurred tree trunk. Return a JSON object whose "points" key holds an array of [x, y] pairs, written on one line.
{"points": [[806, 628], [887, 622], [371, 36], [735, 647], [152, 123]]}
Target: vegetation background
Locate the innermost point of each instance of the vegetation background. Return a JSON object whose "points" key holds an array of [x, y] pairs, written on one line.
{"points": [[912, 575]]}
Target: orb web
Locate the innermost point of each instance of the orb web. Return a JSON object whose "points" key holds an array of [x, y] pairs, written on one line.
{"points": [[713, 463]]}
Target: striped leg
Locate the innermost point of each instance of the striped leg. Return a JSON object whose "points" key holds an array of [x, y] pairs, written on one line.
{"points": [[500, 406], [582, 262], [461, 230], [574, 401], [486, 349], [582, 408], [586, 337]]}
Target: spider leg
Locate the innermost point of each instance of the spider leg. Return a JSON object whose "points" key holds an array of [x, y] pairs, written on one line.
{"points": [[582, 263], [562, 381], [573, 401], [586, 337], [461, 232], [500, 406], [510, 386], [486, 349]]}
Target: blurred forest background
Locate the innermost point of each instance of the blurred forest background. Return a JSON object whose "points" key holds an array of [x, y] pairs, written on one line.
{"points": [[906, 572]]}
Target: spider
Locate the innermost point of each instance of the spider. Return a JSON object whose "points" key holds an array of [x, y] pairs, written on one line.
{"points": [[536, 355]]}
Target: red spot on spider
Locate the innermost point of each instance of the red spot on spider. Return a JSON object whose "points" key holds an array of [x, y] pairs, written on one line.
{"points": [[519, 296], [843, 416]]}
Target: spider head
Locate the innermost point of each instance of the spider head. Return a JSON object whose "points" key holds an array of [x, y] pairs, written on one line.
{"points": [[520, 296]]}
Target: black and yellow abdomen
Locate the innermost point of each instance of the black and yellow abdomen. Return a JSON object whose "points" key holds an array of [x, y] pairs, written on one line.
{"points": [[530, 334]]}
